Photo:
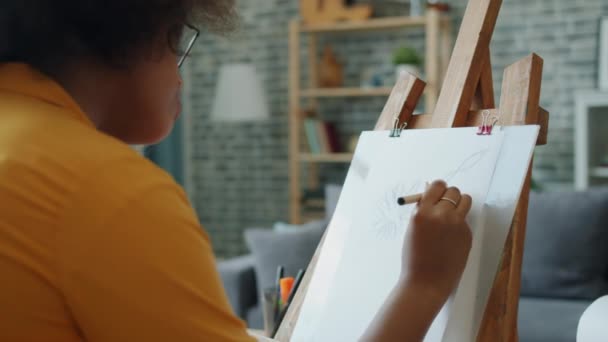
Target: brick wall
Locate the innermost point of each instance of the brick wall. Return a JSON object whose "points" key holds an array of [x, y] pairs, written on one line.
{"points": [[240, 171]]}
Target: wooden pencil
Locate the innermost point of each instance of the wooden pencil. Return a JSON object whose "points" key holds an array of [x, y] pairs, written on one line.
{"points": [[409, 199]]}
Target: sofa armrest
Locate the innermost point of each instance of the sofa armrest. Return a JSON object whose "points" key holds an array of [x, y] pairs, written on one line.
{"points": [[238, 277]]}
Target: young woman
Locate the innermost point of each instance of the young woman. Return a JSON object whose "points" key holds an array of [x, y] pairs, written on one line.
{"points": [[98, 244]]}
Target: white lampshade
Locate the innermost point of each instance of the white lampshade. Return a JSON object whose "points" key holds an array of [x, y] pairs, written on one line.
{"points": [[239, 95]]}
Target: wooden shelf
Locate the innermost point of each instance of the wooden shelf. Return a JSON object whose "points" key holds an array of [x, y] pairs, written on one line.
{"points": [[600, 171], [326, 158], [345, 92], [367, 25], [307, 217], [436, 27]]}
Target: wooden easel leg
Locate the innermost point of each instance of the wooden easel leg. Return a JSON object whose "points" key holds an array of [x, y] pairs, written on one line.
{"points": [[484, 94], [518, 234], [402, 102], [466, 63], [519, 104]]}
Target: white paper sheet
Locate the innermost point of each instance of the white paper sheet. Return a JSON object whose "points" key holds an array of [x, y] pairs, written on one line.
{"points": [[511, 168], [361, 258]]}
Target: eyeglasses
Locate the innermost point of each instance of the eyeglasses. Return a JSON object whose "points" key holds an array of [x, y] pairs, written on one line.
{"points": [[189, 36]]}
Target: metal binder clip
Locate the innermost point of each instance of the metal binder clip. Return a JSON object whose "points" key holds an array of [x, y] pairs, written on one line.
{"points": [[396, 131], [486, 127], [490, 127]]}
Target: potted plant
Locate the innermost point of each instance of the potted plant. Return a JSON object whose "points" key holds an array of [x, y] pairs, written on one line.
{"points": [[407, 60]]}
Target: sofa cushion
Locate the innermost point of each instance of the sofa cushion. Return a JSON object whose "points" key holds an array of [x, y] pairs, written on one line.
{"points": [[293, 249], [565, 253], [549, 320], [238, 277]]}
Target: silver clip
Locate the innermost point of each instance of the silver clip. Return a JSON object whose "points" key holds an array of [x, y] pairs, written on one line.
{"points": [[396, 131]]}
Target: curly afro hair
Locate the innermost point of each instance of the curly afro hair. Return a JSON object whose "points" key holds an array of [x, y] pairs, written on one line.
{"points": [[49, 34]]}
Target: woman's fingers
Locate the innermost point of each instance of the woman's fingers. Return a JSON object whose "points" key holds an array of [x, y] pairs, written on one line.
{"points": [[450, 199], [444, 198], [465, 205], [433, 193]]}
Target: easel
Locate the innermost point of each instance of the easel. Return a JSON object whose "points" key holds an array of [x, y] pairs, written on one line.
{"points": [[466, 93]]}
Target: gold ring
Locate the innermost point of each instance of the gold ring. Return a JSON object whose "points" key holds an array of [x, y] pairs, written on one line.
{"points": [[450, 200]]}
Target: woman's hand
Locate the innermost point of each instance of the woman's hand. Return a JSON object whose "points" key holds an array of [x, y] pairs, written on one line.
{"points": [[438, 240], [435, 253]]}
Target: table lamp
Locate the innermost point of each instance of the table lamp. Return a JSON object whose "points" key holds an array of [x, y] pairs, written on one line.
{"points": [[239, 95]]}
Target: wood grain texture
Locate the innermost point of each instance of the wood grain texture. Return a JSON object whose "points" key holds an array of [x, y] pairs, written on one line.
{"points": [[402, 101], [294, 121], [484, 94], [433, 28], [519, 105], [518, 234], [523, 79], [543, 121], [465, 66]]}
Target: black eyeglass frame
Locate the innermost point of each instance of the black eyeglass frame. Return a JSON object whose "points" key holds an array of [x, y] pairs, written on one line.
{"points": [[186, 52]]}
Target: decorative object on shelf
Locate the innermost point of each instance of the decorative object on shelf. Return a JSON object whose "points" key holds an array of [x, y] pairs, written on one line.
{"points": [[330, 70], [372, 78], [407, 60], [329, 11], [239, 95], [603, 58]]}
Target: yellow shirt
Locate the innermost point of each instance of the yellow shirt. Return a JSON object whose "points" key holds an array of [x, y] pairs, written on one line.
{"points": [[96, 243]]}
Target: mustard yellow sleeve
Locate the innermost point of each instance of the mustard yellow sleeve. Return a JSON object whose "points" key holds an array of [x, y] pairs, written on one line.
{"points": [[146, 272]]}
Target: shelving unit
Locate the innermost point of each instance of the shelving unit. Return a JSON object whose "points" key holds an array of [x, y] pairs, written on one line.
{"points": [[438, 39], [345, 92], [326, 158], [386, 23]]}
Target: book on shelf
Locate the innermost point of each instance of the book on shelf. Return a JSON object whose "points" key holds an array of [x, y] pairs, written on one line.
{"points": [[321, 136], [310, 130], [332, 135]]}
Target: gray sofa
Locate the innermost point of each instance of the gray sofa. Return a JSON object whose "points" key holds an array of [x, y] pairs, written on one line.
{"points": [[565, 264]]}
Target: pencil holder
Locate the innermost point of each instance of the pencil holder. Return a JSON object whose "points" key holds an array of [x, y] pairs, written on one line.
{"points": [[270, 308]]}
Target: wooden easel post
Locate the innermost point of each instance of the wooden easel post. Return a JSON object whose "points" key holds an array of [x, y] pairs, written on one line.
{"points": [[467, 91]]}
